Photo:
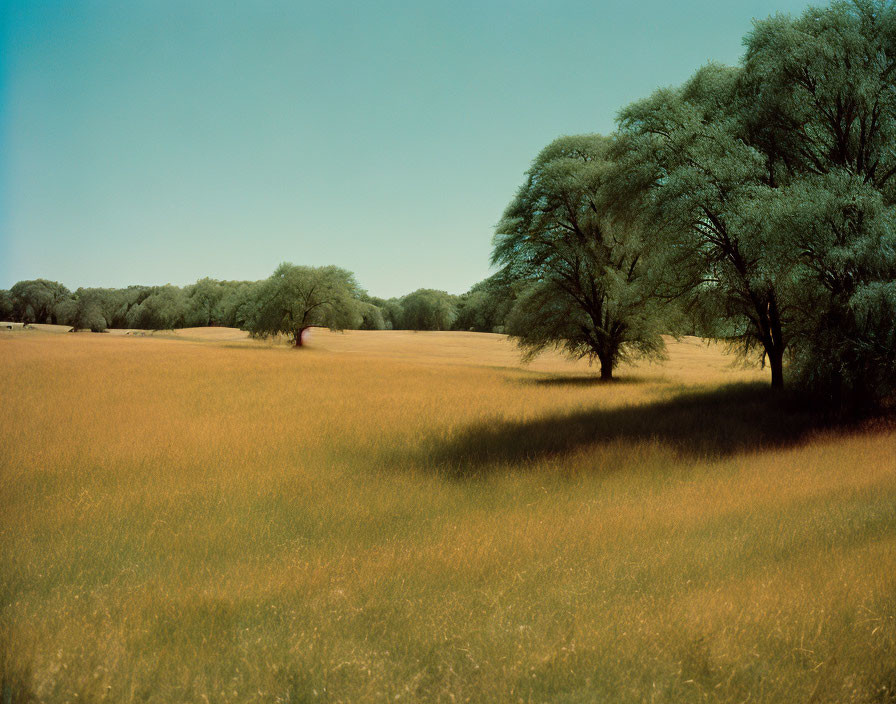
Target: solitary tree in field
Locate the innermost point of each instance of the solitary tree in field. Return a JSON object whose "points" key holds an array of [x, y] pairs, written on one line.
{"points": [[296, 298], [588, 290]]}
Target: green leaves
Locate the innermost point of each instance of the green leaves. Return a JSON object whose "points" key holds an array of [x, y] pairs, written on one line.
{"points": [[771, 189], [298, 297], [587, 289]]}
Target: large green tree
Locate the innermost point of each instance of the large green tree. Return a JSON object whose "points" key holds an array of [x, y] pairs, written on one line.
{"points": [[818, 101], [705, 194], [296, 298], [772, 187], [588, 285]]}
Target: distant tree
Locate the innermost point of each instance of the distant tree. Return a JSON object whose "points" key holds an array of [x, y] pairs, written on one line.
{"points": [[99, 308], [487, 305], [588, 290], [371, 317], [296, 298], [6, 305], [132, 296], [165, 308], [35, 301], [88, 316], [83, 311], [373, 314], [392, 313], [472, 308], [238, 303], [115, 303], [202, 300], [427, 309]]}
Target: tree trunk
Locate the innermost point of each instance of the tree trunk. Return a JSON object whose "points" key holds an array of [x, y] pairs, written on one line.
{"points": [[776, 362], [299, 337], [606, 370], [776, 357]]}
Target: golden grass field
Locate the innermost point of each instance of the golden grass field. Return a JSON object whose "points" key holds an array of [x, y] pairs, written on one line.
{"points": [[404, 517]]}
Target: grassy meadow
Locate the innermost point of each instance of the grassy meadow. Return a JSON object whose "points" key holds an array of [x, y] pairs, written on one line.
{"points": [[404, 517]]}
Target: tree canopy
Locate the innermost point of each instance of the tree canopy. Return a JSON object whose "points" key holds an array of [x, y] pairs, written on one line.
{"points": [[771, 188], [684, 165], [35, 301], [296, 298], [427, 309], [819, 103], [588, 289]]}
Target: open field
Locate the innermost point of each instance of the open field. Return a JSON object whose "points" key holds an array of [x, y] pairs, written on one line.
{"points": [[415, 517]]}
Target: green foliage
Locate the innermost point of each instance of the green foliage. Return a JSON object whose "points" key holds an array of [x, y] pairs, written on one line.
{"points": [[841, 239], [771, 190], [203, 299], [371, 317], [486, 306], [165, 308], [35, 301], [96, 309], [237, 304], [392, 313], [704, 192], [427, 309], [91, 317], [295, 298], [6, 305], [589, 290], [819, 101], [817, 91]]}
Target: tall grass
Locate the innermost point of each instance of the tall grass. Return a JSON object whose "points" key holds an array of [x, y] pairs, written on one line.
{"points": [[414, 517]]}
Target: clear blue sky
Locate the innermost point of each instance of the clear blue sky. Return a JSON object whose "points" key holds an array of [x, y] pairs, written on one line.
{"points": [[157, 141]]}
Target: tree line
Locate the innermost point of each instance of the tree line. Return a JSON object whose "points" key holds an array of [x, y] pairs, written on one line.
{"points": [[292, 299]]}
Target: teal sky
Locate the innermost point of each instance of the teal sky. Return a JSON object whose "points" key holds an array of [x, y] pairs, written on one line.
{"points": [[157, 141]]}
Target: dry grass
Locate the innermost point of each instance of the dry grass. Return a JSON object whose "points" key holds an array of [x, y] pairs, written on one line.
{"points": [[413, 517]]}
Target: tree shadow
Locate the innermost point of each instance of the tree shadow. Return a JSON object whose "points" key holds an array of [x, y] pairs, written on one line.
{"points": [[586, 380], [701, 425]]}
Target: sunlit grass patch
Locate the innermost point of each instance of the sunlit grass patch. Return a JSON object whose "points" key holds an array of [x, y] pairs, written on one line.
{"points": [[416, 518]]}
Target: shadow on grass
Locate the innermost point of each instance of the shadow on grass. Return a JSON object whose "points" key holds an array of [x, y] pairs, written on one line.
{"points": [[706, 425], [587, 380]]}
